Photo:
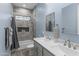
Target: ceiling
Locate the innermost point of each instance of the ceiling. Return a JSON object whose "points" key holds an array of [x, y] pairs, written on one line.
{"points": [[29, 6]]}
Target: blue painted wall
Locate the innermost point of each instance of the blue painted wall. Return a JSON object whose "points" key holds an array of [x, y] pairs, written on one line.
{"points": [[44, 9], [47, 9], [5, 17]]}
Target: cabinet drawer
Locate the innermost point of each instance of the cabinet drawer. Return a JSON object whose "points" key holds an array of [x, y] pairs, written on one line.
{"points": [[39, 50]]}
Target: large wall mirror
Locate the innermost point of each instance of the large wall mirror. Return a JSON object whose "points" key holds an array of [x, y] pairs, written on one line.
{"points": [[70, 19], [50, 22]]}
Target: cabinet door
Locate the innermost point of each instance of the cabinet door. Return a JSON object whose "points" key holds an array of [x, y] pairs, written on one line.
{"points": [[46, 53], [38, 49], [35, 49]]}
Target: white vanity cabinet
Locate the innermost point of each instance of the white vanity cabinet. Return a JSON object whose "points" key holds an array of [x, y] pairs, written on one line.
{"points": [[40, 50], [70, 18]]}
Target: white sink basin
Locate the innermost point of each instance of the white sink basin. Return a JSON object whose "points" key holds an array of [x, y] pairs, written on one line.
{"points": [[61, 48], [49, 42], [66, 51]]}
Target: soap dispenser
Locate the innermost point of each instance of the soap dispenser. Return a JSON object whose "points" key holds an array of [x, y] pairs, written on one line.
{"points": [[56, 32], [44, 33]]}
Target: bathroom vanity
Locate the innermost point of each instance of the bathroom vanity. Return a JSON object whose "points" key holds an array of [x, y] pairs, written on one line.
{"points": [[46, 47], [40, 50]]}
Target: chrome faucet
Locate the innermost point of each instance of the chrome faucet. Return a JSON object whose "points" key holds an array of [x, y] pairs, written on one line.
{"points": [[69, 44], [65, 43]]}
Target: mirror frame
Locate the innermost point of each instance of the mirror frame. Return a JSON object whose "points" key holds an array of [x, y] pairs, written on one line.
{"points": [[50, 20]]}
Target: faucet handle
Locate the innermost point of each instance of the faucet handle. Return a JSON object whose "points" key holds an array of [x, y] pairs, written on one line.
{"points": [[65, 43], [68, 41], [74, 47]]}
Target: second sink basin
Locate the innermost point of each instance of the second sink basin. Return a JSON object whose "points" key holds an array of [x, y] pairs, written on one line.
{"points": [[66, 51]]}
